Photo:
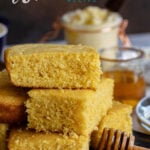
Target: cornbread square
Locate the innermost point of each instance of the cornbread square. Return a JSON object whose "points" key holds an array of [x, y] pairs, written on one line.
{"points": [[53, 66], [23, 140], [3, 134], [68, 111], [5, 80], [12, 100], [118, 117]]}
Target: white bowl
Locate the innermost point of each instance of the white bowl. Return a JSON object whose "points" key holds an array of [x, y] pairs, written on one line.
{"points": [[143, 111]]}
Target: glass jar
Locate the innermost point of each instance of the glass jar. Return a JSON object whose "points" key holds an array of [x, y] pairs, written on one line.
{"points": [[99, 38], [124, 65], [92, 26]]}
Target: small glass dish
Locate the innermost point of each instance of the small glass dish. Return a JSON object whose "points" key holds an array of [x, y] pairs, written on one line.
{"points": [[143, 111]]}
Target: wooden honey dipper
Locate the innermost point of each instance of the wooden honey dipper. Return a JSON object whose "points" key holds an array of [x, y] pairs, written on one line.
{"points": [[117, 140]]}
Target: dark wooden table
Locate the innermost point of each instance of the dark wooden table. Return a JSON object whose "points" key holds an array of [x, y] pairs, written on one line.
{"points": [[142, 139]]}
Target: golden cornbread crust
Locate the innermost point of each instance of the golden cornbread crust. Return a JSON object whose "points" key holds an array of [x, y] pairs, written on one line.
{"points": [[53, 66], [67, 110], [118, 117], [3, 133], [12, 99], [22, 140], [11, 113], [4, 80]]}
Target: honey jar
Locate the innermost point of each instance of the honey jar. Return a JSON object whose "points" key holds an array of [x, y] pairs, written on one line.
{"points": [[124, 65]]}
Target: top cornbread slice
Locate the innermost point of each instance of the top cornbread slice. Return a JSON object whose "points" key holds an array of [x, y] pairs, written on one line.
{"points": [[53, 66]]}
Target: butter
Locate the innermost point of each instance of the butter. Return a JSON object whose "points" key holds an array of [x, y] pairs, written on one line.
{"points": [[91, 17]]}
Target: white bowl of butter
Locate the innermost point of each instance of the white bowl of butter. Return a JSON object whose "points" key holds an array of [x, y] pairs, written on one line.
{"points": [[92, 26]]}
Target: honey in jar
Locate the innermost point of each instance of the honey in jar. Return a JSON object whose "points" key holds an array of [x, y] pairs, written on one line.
{"points": [[128, 87], [124, 65]]}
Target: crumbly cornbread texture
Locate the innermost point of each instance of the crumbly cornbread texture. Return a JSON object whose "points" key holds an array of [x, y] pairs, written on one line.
{"points": [[118, 117], [53, 66], [29, 140], [69, 111], [3, 133], [11, 100]]}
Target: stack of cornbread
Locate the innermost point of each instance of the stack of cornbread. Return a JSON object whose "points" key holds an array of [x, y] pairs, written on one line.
{"points": [[12, 109], [67, 98]]}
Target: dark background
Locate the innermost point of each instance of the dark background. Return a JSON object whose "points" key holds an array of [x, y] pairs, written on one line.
{"points": [[28, 22]]}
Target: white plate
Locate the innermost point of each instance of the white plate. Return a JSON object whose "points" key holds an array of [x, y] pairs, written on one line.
{"points": [[143, 111]]}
